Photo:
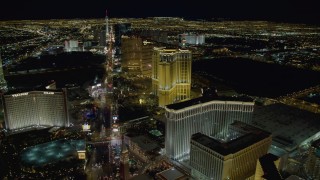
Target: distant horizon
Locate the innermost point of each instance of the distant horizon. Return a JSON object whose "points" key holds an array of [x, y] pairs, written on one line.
{"points": [[278, 11], [214, 19]]}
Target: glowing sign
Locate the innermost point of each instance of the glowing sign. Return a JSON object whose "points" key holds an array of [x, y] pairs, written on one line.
{"points": [[48, 92], [86, 127], [115, 117], [19, 94], [82, 154]]}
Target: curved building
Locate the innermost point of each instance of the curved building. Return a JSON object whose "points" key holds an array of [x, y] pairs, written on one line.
{"points": [[210, 116], [34, 109]]}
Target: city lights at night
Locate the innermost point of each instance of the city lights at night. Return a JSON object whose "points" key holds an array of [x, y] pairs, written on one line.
{"points": [[166, 90]]}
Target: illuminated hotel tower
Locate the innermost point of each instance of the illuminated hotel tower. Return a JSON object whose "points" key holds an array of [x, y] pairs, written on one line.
{"points": [[209, 115], [171, 75], [146, 57], [236, 158], [35, 109], [3, 82], [131, 59]]}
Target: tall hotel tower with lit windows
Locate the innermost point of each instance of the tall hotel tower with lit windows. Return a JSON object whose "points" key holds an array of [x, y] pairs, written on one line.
{"points": [[235, 158], [3, 82], [171, 75], [208, 115], [35, 109], [131, 54]]}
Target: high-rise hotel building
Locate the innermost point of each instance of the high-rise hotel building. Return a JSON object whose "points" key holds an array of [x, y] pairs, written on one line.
{"points": [[171, 75], [131, 48], [146, 64], [235, 158], [208, 115], [136, 56], [35, 108]]}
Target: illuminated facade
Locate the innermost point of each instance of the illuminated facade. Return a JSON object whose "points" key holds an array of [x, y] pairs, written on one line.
{"points": [[71, 45], [171, 75], [234, 159], [3, 82], [136, 55], [312, 165], [146, 63], [210, 116], [131, 48], [191, 39], [34, 109]]}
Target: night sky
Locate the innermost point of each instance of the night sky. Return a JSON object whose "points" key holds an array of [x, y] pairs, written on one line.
{"points": [[305, 11]]}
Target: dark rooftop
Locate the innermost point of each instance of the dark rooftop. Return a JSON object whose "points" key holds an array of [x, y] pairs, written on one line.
{"points": [[316, 143], [289, 125], [270, 171], [205, 99], [172, 173], [252, 136]]}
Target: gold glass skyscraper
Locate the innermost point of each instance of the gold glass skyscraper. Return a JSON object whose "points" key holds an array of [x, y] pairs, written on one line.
{"points": [[146, 56], [171, 75], [131, 54]]}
